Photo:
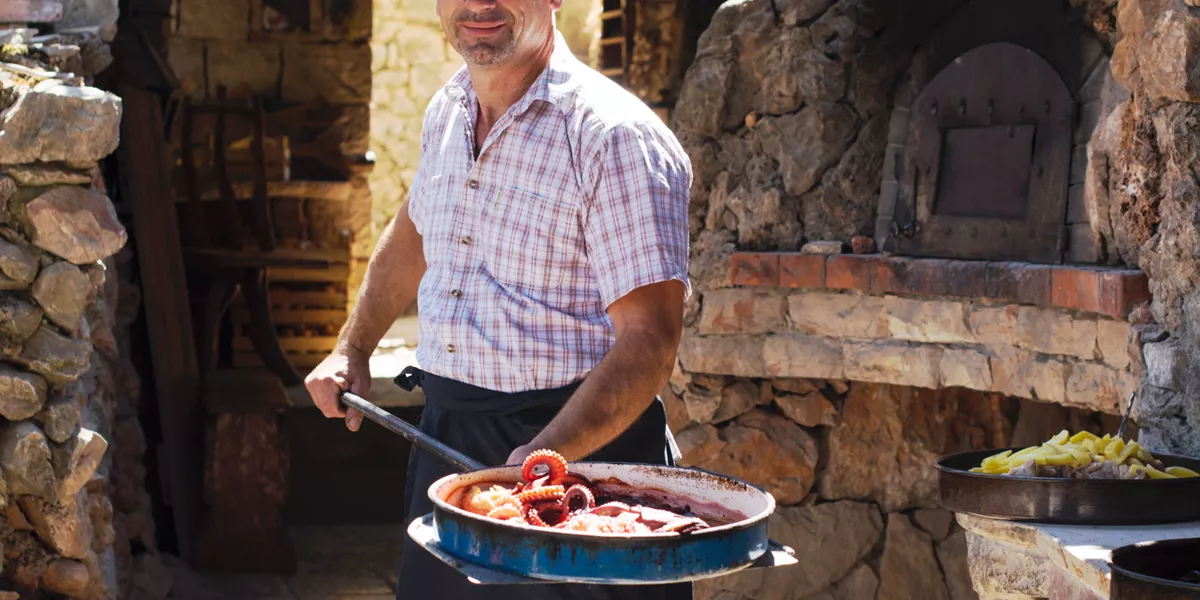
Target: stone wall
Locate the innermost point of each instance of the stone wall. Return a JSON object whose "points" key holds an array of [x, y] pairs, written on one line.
{"points": [[1151, 191], [73, 504], [411, 61]]}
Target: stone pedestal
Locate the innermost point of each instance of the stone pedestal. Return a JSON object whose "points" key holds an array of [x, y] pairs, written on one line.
{"points": [[1019, 561]]}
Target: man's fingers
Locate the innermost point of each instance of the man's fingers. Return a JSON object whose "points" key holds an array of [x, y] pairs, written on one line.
{"points": [[353, 419], [325, 394]]}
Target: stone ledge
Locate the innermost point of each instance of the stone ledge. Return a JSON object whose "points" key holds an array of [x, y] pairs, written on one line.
{"points": [[1078, 552], [1107, 291]]}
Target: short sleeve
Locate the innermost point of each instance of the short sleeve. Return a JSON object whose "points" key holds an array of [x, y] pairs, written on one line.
{"points": [[414, 204], [636, 223]]}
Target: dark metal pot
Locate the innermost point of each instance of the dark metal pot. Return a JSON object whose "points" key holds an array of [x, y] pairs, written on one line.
{"points": [[1153, 570]]}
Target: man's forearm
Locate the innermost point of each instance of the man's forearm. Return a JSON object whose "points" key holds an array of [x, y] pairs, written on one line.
{"points": [[390, 285], [613, 396]]}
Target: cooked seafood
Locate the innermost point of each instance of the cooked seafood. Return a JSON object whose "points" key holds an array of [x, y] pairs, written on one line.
{"points": [[563, 500], [1082, 456]]}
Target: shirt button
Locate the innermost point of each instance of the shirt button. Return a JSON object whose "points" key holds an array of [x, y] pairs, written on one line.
{"points": [[465, 240], [450, 348], [473, 184], [456, 293]]}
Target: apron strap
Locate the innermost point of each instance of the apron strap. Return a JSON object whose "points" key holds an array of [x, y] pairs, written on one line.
{"points": [[409, 379]]}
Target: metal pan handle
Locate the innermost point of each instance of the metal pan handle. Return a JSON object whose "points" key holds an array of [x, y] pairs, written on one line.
{"points": [[463, 462]]}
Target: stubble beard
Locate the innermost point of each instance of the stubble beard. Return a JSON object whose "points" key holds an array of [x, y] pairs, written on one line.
{"points": [[486, 53]]}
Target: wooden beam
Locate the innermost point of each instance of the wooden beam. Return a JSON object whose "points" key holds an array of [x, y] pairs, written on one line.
{"points": [[31, 11], [332, 191], [165, 303]]}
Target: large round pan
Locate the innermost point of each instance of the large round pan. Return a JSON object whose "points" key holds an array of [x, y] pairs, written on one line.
{"points": [[1068, 501], [559, 555], [1155, 570], [738, 511]]}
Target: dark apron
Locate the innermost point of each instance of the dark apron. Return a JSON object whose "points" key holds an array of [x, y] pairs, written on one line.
{"points": [[487, 426]]}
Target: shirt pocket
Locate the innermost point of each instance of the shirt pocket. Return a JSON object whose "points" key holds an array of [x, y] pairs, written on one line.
{"points": [[528, 241]]}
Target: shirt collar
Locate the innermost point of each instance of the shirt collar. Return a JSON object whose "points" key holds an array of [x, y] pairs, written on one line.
{"points": [[554, 84]]}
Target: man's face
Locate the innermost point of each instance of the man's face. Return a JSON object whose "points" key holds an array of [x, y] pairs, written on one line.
{"points": [[490, 32]]}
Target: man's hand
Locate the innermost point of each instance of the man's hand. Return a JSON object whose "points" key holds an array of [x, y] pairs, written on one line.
{"points": [[343, 370], [519, 455]]}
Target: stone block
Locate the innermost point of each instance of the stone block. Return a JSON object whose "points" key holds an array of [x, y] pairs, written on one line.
{"points": [[909, 569], [58, 358], [22, 394], [203, 19], [801, 271], [1079, 163], [739, 398], [766, 450], [56, 122], [76, 461], [742, 310], [244, 68], [67, 577], [1084, 248], [893, 363], [754, 268], [823, 247], [60, 416], [31, 11], [1168, 57], [810, 410], [25, 459], [18, 265], [1112, 339], [952, 554], [926, 320], [967, 368], [1075, 288], [19, 320], [1051, 331], [993, 326], [837, 315], [1005, 570], [1166, 365], [39, 175], [723, 355], [803, 356], [1098, 387], [62, 291], [935, 521], [830, 127], [65, 526], [1028, 375], [849, 272], [100, 14], [829, 539], [332, 72], [76, 224]]}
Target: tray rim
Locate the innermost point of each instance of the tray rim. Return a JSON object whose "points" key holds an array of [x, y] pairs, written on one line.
{"points": [[1116, 569]]}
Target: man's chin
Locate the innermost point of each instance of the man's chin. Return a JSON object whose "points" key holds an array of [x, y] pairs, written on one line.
{"points": [[485, 56]]}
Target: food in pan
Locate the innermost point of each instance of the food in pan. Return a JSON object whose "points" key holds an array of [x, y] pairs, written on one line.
{"points": [[1082, 456], [562, 500]]}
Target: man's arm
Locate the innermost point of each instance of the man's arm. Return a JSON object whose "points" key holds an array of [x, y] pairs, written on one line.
{"points": [[648, 323], [390, 285]]}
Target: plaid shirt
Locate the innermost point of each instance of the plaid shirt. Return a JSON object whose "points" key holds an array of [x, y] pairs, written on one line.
{"points": [[579, 196]]}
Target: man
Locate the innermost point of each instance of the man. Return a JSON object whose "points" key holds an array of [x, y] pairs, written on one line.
{"points": [[545, 240]]}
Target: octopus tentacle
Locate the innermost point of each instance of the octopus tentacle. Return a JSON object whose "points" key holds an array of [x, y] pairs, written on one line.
{"points": [[550, 492], [533, 518], [577, 498], [553, 460]]}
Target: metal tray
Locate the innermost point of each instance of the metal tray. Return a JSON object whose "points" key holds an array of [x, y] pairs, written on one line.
{"points": [[1067, 501], [1141, 571]]}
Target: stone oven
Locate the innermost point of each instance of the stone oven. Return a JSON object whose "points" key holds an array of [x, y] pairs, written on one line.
{"points": [[921, 227]]}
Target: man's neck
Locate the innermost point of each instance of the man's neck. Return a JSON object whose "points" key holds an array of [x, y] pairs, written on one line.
{"points": [[500, 87]]}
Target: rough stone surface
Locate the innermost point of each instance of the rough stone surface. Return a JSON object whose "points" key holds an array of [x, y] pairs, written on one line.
{"points": [[1026, 375], [22, 394], [59, 417], [744, 311], [802, 356], [721, 355], [822, 247], [926, 320], [739, 398], [76, 224], [1098, 387], [76, 461], [828, 126], [1158, 49], [62, 291], [860, 583], [829, 540], [1051, 331], [909, 569], [884, 447], [25, 459], [66, 577], [66, 527], [999, 568], [895, 363], [58, 358], [43, 174], [952, 554], [55, 122], [935, 521], [967, 368], [837, 315], [19, 320], [759, 447], [810, 410], [18, 266]]}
